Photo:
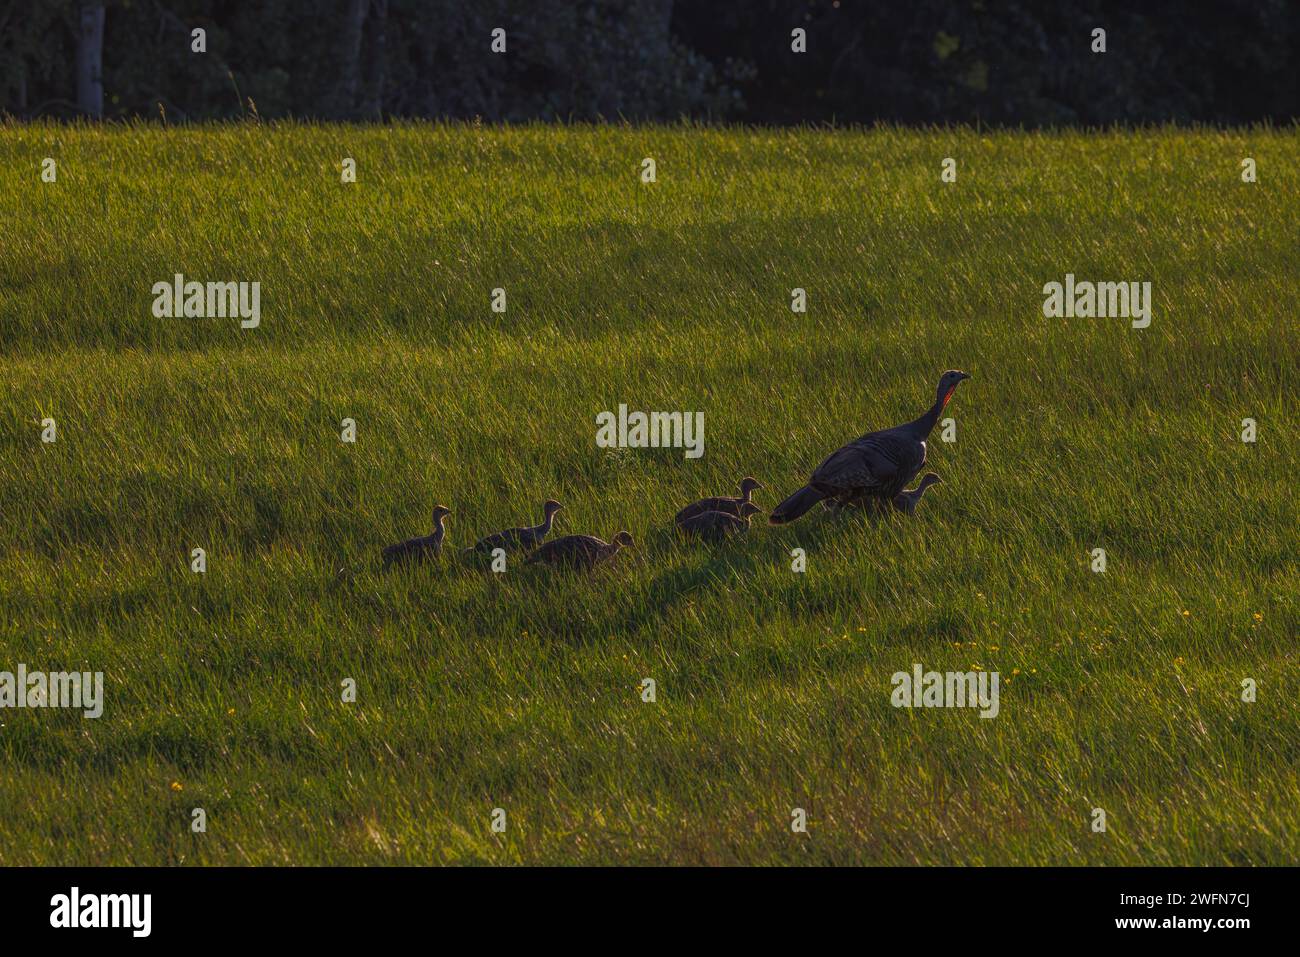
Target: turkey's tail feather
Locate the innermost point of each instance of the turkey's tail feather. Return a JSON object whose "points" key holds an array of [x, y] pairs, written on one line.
{"points": [[795, 505]]}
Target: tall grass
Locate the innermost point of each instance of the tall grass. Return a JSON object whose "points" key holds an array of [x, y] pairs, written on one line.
{"points": [[1120, 691]]}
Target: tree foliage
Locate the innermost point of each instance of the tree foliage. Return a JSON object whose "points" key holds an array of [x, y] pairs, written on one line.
{"points": [[926, 61]]}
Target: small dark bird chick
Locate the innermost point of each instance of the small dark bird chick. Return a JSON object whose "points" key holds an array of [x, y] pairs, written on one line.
{"points": [[516, 538], [579, 551], [907, 501], [421, 548], [715, 526], [720, 503]]}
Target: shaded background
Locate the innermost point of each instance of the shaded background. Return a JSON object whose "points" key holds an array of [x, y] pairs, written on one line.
{"points": [[911, 61]]}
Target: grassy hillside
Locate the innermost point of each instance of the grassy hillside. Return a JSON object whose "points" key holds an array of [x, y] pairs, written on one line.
{"points": [[522, 691]]}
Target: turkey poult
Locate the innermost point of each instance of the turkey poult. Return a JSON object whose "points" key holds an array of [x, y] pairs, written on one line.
{"points": [[905, 501], [877, 465], [418, 549], [579, 551], [515, 538], [714, 526], [720, 503]]}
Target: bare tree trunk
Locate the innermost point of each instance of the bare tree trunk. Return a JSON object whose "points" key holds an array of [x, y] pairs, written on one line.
{"points": [[90, 60], [377, 61], [350, 66]]}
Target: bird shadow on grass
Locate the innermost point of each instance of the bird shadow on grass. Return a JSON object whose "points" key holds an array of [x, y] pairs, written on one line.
{"points": [[716, 567], [827, 527], [700, 569]]}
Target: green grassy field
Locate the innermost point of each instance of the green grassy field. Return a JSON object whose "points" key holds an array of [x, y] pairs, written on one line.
{"points": [[1120, 691]]}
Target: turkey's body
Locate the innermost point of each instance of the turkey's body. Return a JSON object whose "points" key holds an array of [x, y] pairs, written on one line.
{"points": [[513, 539], [730, 504], [574, 551], [714, 526], [905, 501], [876, 466], [414, 550]]}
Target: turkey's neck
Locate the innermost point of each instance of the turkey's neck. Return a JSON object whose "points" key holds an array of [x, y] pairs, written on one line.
{"points": [[925, 424], [745, 493], [438, 530], [545, 527]]}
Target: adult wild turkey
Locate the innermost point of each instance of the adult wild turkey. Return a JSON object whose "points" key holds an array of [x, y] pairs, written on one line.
{"points": [[579, 551], [721, 503], [905, 501], [715, 525], [877, 465], [418, 549], [514, 538]]}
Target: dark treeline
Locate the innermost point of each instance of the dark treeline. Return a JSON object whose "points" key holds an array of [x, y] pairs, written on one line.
{"points": [[907, 61]]}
